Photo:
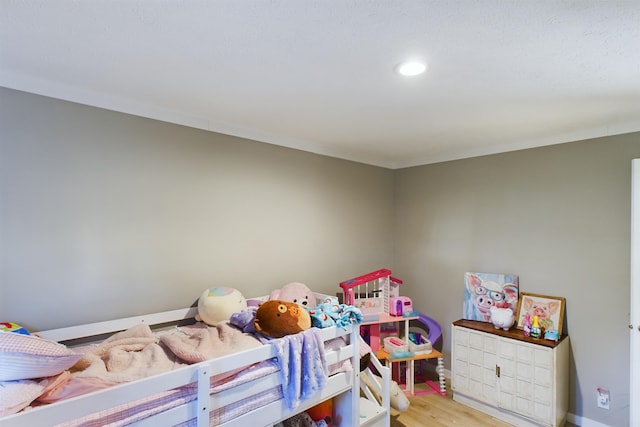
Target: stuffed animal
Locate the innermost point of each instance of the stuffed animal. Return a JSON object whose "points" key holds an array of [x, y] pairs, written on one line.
{"points": [[13, 327], [277, 318], [218, 304], [303, 420], [295, 292], [398, 400], [323, 411]]}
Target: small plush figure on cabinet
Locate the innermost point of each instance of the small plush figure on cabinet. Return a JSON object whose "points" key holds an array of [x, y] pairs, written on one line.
{"points": [[526, 327], [536, 330]]}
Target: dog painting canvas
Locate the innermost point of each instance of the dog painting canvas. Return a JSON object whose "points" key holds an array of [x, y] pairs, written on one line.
{"points": [[485, 290]]}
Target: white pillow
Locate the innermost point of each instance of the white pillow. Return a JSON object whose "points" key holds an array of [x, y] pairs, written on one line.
{"points": [[25, 356]]}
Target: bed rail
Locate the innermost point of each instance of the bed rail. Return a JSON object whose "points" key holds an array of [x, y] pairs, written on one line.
{"points": [[111, 326], [376, 388], [342, 386]]}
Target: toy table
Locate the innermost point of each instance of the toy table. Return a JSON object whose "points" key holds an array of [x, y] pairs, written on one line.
{"points": [[440, 388], [410, 368], [375, 343]]}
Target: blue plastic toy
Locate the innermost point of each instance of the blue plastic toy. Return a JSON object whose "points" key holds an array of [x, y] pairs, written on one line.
{"points": [[552, 334]]}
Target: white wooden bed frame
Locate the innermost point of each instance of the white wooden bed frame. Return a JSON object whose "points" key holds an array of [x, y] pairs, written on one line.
{"points": [[344, 388]]}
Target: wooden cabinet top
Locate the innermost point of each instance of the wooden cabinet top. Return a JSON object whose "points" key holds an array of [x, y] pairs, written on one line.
{"points": [[513, 333]]}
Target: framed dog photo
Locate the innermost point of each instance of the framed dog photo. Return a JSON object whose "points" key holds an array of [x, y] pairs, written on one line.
{"points": [[550, 310]]}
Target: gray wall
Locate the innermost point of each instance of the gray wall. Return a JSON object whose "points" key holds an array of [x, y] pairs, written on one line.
{"points": [[104, 215], [559, 218]]}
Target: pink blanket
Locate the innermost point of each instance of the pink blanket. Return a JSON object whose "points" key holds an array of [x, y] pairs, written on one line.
{"points": [[197, 343], [139, 353]]}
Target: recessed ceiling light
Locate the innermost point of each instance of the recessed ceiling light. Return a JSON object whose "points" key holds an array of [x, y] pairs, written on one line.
{"points": [[411, 68]]}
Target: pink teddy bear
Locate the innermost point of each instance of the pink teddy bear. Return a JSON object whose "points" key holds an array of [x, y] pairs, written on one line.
{"points": [[296, 292]]}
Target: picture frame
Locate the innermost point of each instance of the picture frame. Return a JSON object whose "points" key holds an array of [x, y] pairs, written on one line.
{"points": [[549, 309]]}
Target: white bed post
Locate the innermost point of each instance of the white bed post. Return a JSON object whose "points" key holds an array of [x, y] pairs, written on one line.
{"points": [[385, 398], [347, 404], [204, 400]]}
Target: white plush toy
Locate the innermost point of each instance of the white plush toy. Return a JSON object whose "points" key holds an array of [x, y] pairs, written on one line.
{"points": [[218, 304], [398, 400]]}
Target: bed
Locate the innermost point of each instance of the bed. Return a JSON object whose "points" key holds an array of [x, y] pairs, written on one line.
{"points": [[190, 396]]}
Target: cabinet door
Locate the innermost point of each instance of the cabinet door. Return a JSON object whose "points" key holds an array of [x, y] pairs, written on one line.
{"points": [[526, 379], [507, 393], [543, 392], [460, 360], [483, 362], [474, 364]]}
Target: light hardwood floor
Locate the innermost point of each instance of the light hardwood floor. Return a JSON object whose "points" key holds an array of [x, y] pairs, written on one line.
{"points": [[441, 411]]}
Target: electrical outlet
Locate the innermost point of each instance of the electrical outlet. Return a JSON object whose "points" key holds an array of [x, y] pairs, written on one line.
{"points": [[603, 398]]}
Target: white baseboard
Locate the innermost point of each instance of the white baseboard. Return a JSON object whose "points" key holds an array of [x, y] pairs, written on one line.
{"points": [[584, 422]]}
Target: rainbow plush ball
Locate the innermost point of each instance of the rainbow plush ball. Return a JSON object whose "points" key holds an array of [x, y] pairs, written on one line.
{"points": [[13, 327], [218, 304]]}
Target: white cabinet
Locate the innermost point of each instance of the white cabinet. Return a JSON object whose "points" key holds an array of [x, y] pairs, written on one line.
{"points": [[514, 378]]}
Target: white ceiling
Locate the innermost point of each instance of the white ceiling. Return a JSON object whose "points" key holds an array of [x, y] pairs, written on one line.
{"points": [[318, 75]]}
